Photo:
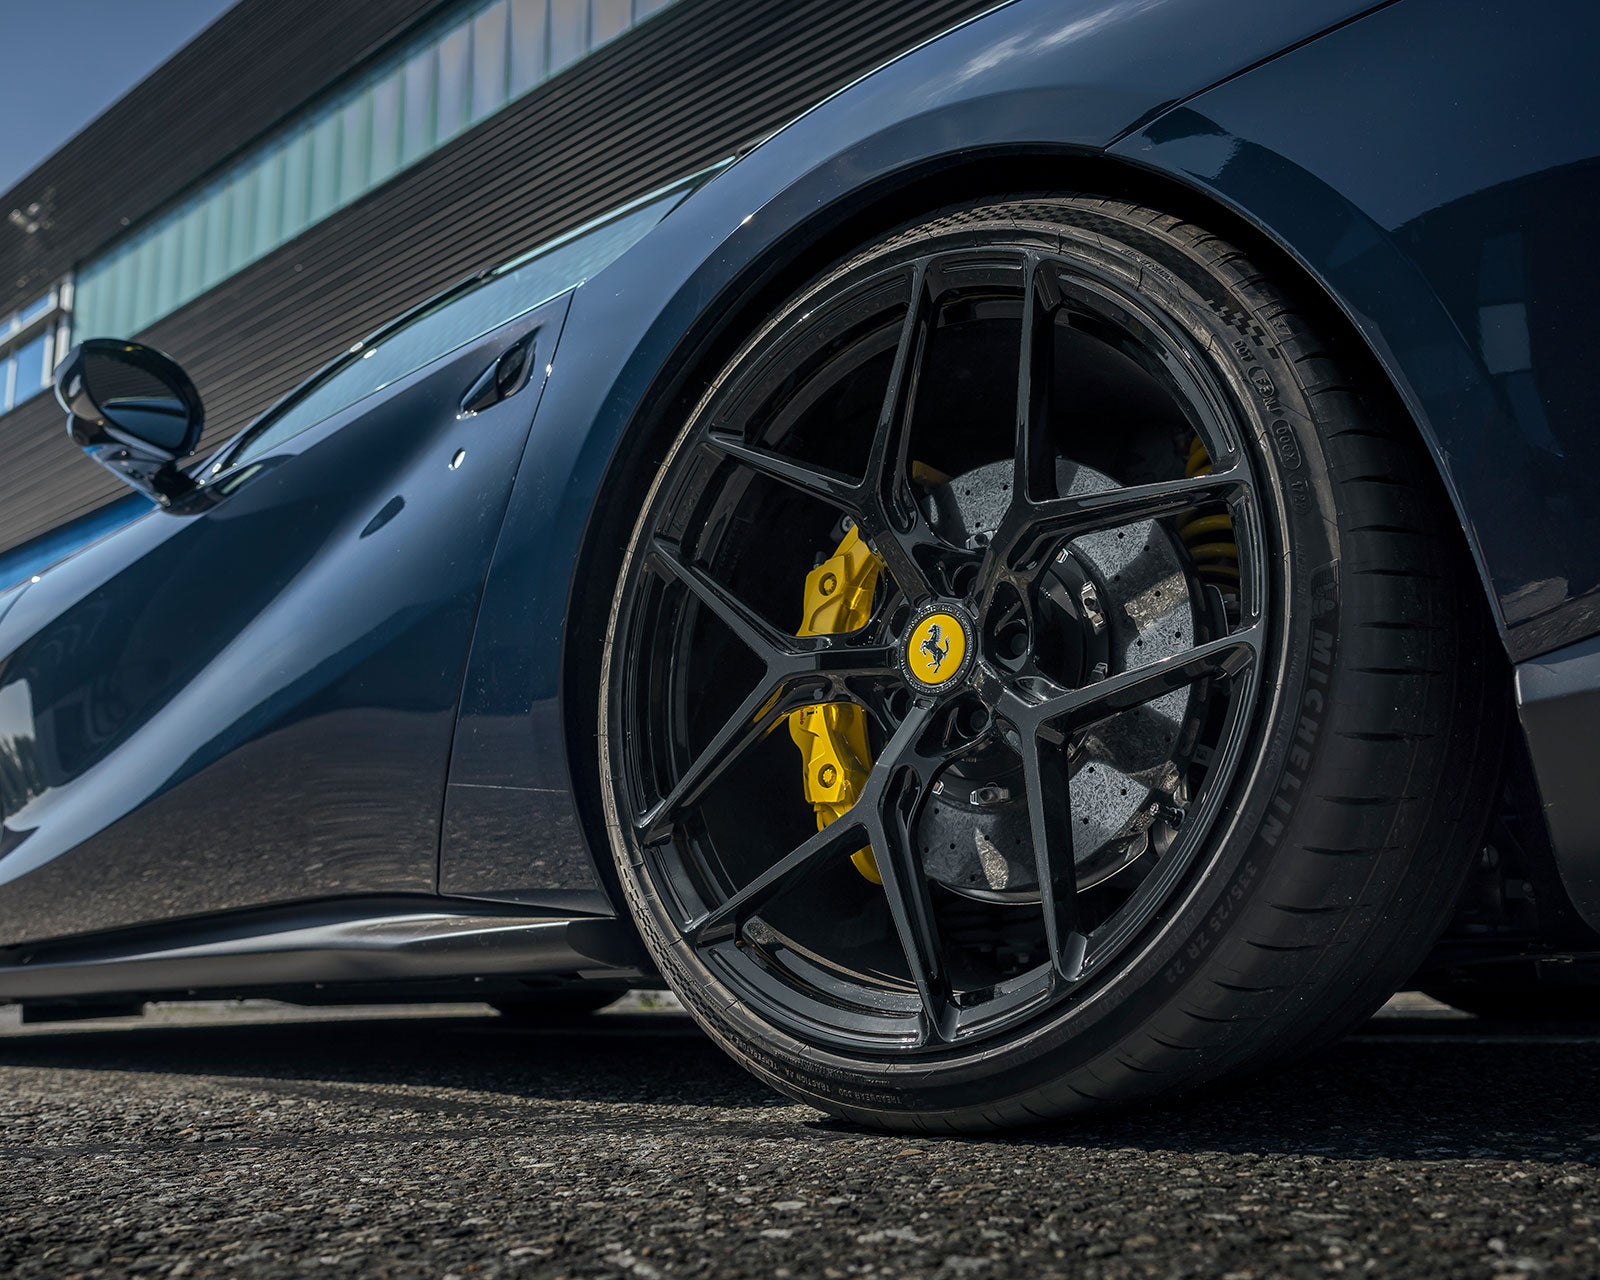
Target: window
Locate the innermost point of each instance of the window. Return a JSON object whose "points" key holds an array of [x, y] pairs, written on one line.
{"points": [[355, 148], [455, 62], [489, 61], [608, 19], [385, 128], [529, 19], [483, 55], [455, 319], [569, 32], [29, 340], [417, 139]]}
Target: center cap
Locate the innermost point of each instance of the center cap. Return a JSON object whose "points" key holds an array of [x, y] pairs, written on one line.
{"points": [[938, 647]]}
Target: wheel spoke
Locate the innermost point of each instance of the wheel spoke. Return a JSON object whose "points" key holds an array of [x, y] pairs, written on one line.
{"points": [[892, 521], [818, 482], [1223, 657], [901, 782], [1081, 513], [837, 839], [757, 633], [761, 711], [1044, 773], [1034, 477], [888, 467]]}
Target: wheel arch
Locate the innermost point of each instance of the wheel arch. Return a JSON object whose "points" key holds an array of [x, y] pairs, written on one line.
{"points": [[826, 236]]}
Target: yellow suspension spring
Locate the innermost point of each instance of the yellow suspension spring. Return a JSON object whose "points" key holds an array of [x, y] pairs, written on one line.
{"points": [[1210, 539]]}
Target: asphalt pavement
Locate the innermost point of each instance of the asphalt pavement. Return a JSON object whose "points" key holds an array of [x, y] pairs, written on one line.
{"points": [[247, 1141]]}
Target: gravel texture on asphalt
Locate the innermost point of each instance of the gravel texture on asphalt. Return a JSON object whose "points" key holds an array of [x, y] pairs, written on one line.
{"points": [[262, 1141]]}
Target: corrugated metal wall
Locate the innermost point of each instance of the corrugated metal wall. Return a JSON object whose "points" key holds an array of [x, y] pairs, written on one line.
{"points": [[689, 87], [230, 84]]}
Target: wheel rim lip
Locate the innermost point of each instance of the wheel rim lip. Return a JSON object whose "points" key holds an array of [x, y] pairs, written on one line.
{"points": [[1022, 999]]}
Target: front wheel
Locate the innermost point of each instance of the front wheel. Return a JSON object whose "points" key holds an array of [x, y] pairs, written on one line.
{"points": [[1039, 678]]}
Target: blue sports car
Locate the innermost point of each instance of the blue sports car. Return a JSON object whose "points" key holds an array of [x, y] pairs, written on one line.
{"points": [[1069, 571]]}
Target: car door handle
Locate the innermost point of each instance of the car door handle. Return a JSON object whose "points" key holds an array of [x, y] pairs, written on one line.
{"points": [[504, 378]]}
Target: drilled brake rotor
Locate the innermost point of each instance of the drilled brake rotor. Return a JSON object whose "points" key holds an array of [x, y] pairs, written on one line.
{"points": [[1109, 602]]}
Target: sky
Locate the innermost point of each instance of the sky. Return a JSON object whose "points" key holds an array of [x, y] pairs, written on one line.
{"points": [[63, 62]]}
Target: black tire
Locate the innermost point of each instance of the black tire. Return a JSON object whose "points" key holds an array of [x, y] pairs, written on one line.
{"points": [[555, 1007], [1332, 854]]}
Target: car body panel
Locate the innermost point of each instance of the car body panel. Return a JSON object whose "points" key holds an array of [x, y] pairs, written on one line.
{"points": [[373, 698], [1558, 702], [1468, 267], [1034, 74], [251, 700]]}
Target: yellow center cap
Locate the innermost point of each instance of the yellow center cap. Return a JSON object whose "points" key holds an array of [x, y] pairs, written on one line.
{"points": [[936, 650]]}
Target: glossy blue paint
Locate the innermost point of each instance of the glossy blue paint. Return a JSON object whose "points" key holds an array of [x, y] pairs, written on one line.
{"points": [[250, 699], [1033, 74], [21, 563], [1437, 167], [253, 700]]}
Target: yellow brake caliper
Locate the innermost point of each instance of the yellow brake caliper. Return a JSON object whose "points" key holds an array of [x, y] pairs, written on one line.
{"points": [[832, 737]]}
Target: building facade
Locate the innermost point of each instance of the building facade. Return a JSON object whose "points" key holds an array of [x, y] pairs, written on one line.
{"points": [[303, 170]]}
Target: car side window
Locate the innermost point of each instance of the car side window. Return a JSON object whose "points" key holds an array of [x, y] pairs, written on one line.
{"points": [[448, 323]]}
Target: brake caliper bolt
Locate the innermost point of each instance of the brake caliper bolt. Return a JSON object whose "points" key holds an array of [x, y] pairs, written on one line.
{"points": [[827, 775], [828, 584]]}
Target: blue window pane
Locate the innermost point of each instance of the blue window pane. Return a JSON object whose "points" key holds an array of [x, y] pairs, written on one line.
{"points": [[609, 19], [569, 32], [642, 9], [119, 290], [141, 306], [385, 128], [241, 219], [455, 52], [324, 168], [417, 137], [105, 298], [528, 20], [269, 203], [85, 300], [489, 60], [216, 261], [34, 310], [31, 375], [355, 123], [130, 292], [168, 266], [192, 238], [296, 183]]}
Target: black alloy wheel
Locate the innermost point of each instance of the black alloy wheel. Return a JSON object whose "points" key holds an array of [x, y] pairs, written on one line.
{"points": [[1047, 488]]}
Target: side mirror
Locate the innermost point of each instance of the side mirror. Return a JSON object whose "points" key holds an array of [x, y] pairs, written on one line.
{"points": [[132, 410]]}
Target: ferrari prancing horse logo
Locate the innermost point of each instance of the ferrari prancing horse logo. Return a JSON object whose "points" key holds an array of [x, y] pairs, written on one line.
{"points": [[936, 649]]}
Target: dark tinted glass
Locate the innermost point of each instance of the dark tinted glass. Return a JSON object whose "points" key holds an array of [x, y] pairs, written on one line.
{"points": [[452, 321]]}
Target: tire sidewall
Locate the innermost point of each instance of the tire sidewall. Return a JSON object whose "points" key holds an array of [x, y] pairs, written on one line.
{"points": [[1273, 415]]}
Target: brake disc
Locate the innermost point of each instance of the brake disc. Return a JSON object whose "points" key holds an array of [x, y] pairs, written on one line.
{"points": [[1109, 602]]}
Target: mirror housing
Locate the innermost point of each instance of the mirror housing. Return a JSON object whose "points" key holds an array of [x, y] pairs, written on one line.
{"points": [[134, 411]]}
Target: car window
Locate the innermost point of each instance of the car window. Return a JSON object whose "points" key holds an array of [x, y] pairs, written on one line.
{"points": [[452, 320]]}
